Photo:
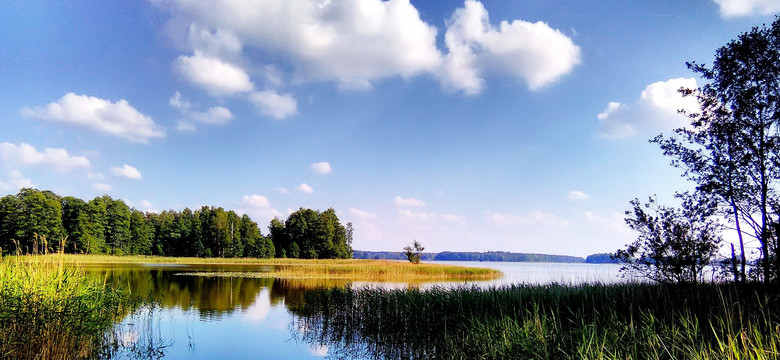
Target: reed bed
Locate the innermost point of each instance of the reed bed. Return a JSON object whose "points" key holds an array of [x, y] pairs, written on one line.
{"points": [[356, 270], [51, 311], [627, 321]]}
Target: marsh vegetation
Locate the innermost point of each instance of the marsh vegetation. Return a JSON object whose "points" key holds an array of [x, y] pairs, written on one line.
{"points": [[628, 321]]}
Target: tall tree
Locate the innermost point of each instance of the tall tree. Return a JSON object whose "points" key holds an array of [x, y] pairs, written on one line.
{"points": [[732, 147], [674, 244]]}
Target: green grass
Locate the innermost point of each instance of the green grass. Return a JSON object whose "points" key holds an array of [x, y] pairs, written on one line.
{"points": [[51, 311], [629, 321], [350, 269]]}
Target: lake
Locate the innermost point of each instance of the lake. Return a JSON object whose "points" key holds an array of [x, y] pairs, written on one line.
{"points": [[248, 318]]}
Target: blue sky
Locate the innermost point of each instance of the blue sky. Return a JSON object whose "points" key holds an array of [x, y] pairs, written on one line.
{"points": [[469, 126]]}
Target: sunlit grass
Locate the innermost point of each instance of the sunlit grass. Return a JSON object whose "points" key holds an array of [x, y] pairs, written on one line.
{"points": [[51, 311], [625, 321], [351, 269]]}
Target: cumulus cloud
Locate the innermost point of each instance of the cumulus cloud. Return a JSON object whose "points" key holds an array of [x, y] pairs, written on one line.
{"points": [[113, 118], [576, 195], [214, 75], [270, 103], [362, 214], [305, 188], [320, 168], [400, 201], [216, 115], [736, 8], [257, 201], [26, 154], [532, 218], [126, 171], [656, 110], [15, 181], [416, 215], [355, 43], [533, 52]]}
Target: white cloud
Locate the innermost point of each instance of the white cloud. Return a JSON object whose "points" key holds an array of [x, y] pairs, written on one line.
{"points": [[212, 74], [656, 110], [183, 125], [178, 102], [94, 176], [283, 190], [270, 103], [362, 214], [399, 201], [126, 171], [576, 195], [147, 206], [305, 188], [320, 168], [533, 52], [102, 187], [353, 42], [118, 119], [416, 215], [25, 154], [256, 201], [15, 181], [735, 8], [216, 115], [532, 218]]}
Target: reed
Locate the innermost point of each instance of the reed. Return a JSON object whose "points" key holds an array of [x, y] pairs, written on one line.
{"points": [[627, 321], [51, 311], [357, 270]]}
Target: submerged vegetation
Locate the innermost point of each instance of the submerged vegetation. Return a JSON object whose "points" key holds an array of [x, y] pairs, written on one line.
{"points": [[628, 321], [51, 311]]}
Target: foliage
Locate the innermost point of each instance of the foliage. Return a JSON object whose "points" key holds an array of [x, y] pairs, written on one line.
{"points": [[731, 149], [472, 256], [413, 252], [626, 321], [674, 244], [48, 311], [36, 221], [310, 234]]}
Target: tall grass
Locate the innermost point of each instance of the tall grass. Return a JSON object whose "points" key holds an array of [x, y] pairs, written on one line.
{"points": [[351, 269], [628, 321], [51, 311]]}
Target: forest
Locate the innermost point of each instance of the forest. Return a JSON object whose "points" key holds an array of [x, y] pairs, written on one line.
{"points": [[39, 222], [475, 256]]}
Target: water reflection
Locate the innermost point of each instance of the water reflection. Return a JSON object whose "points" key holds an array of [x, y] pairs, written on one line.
{"points": [[247, 318]]}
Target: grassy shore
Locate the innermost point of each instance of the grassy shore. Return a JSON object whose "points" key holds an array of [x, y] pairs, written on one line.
{"points": [[51, 311], [628, 321], [357, 270]]}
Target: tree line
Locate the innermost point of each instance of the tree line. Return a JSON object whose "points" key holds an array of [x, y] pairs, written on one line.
{"points": [[479, 256], [37, 222], [730, 150]]}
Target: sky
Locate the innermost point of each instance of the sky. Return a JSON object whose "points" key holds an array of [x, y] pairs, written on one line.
{"points": [[516, 126]]}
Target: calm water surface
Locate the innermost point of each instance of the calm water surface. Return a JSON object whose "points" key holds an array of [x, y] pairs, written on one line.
{"points": [[247, 318]]}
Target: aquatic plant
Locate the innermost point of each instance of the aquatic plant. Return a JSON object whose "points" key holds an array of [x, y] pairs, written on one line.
{"points": [[48, 310], [626, 321]]}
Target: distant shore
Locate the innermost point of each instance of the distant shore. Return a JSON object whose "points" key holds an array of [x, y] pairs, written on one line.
{"points": [[602, 258]]}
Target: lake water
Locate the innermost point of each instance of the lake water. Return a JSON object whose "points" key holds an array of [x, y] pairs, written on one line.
{"points": [[248, 318]]}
